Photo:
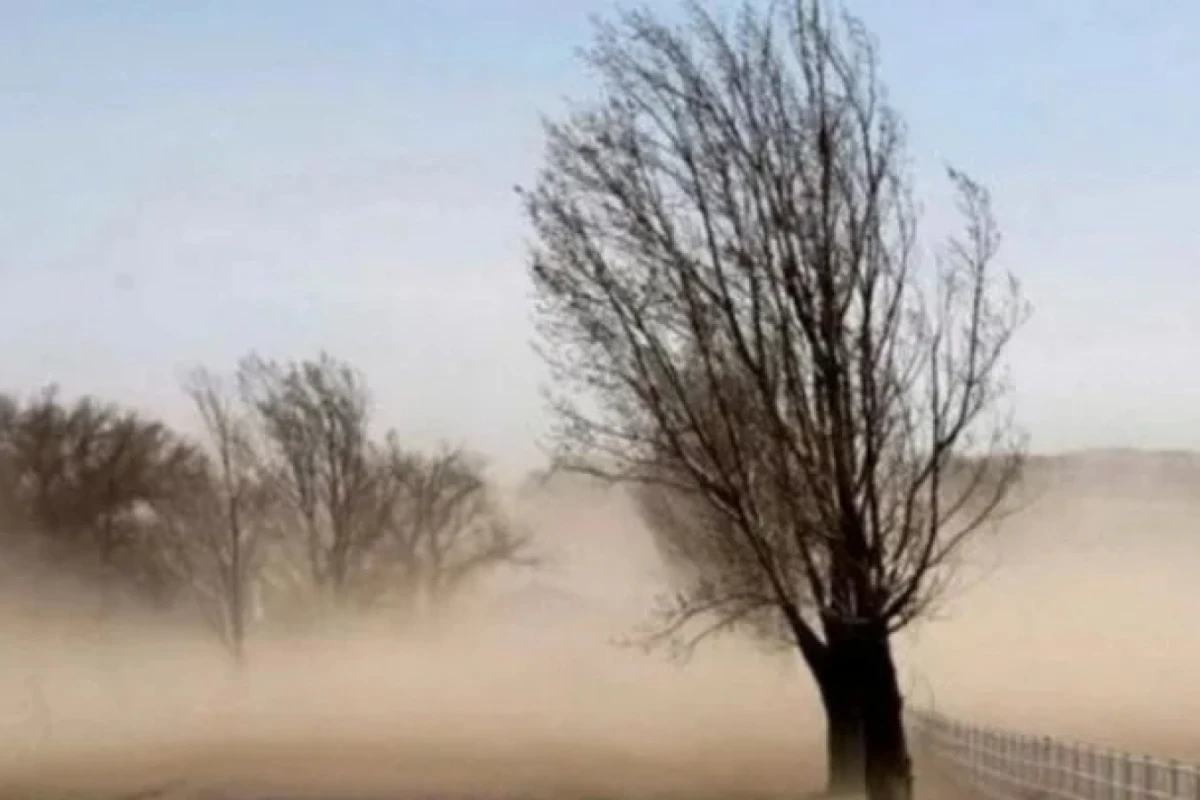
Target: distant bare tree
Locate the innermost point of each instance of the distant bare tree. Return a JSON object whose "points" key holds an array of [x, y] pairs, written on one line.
{"points": [[446, 528], [377, 521], [88, 482], [738, 321], [231, 513], [315, 420]]}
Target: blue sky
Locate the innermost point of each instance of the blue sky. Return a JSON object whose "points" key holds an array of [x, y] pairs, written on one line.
{"points": [[183, 182]]}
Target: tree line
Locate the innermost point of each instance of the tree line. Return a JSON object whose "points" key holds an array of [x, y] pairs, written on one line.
{"points": [[287, 508]]}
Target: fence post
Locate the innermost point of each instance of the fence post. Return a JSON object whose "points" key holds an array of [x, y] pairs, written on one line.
{"points": [[1077, 769], [1005, 758], [1093, 773], [993, 762], [1023, 754], [1060, 766], [1064, 776], [982, 759], [1110, 776], [1052, 778], [1047, 761], [1089, 771], [1014, 770], [998, 759], [1007, 765], [969, 761]]}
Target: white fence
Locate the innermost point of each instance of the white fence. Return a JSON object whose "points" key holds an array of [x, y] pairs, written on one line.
{"points": [[986, 762]]}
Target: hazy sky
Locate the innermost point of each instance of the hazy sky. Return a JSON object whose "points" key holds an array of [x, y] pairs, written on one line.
{"points": [[183, 182]]}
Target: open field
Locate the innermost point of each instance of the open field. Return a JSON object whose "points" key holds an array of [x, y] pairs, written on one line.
{"points": [[363, 715]]}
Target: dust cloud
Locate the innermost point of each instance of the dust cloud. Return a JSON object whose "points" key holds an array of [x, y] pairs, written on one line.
{"points": [[1074, 620], [520, 694], [1079, 620]]}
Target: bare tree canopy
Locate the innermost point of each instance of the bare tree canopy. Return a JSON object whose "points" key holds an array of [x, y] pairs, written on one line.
{"points": [[446, 528], [93, 485], [232, 516], [732, 300], [315, 418], [380, 524], [287, 509]]}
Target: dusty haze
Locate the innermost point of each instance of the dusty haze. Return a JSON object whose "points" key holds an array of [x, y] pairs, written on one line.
{"points": [[1076, 624], [1080, 622]]}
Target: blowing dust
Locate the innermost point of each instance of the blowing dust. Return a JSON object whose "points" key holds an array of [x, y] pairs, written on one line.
{"points": [[1072, 620], [1078, 617], [522, 693]]}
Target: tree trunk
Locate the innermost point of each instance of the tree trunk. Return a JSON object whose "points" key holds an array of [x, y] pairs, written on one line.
{"points": [[237, 597], [237, 628], [864, 716], [888, 766], [845, 753]]}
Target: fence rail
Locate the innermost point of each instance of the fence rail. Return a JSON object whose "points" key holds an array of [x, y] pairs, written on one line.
{"points": [[1012, 766]]}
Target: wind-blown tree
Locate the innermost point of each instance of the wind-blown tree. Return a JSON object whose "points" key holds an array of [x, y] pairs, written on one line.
{"points": [[446, 528], [231, 514], [92, 487], [378, 523], [739, 323], [314, 417]]}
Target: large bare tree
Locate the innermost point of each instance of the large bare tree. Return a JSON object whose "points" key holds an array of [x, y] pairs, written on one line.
{"points": [[733, 302]]}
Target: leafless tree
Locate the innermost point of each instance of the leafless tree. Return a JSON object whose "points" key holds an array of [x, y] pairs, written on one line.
{"points": [[315, 419], [446, 528], [291, 477], [733, 302], [88, 483], [231, 512], [379, 522]]}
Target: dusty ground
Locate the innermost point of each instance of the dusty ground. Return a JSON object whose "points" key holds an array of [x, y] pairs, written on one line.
{"points": [[362, 714]]}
